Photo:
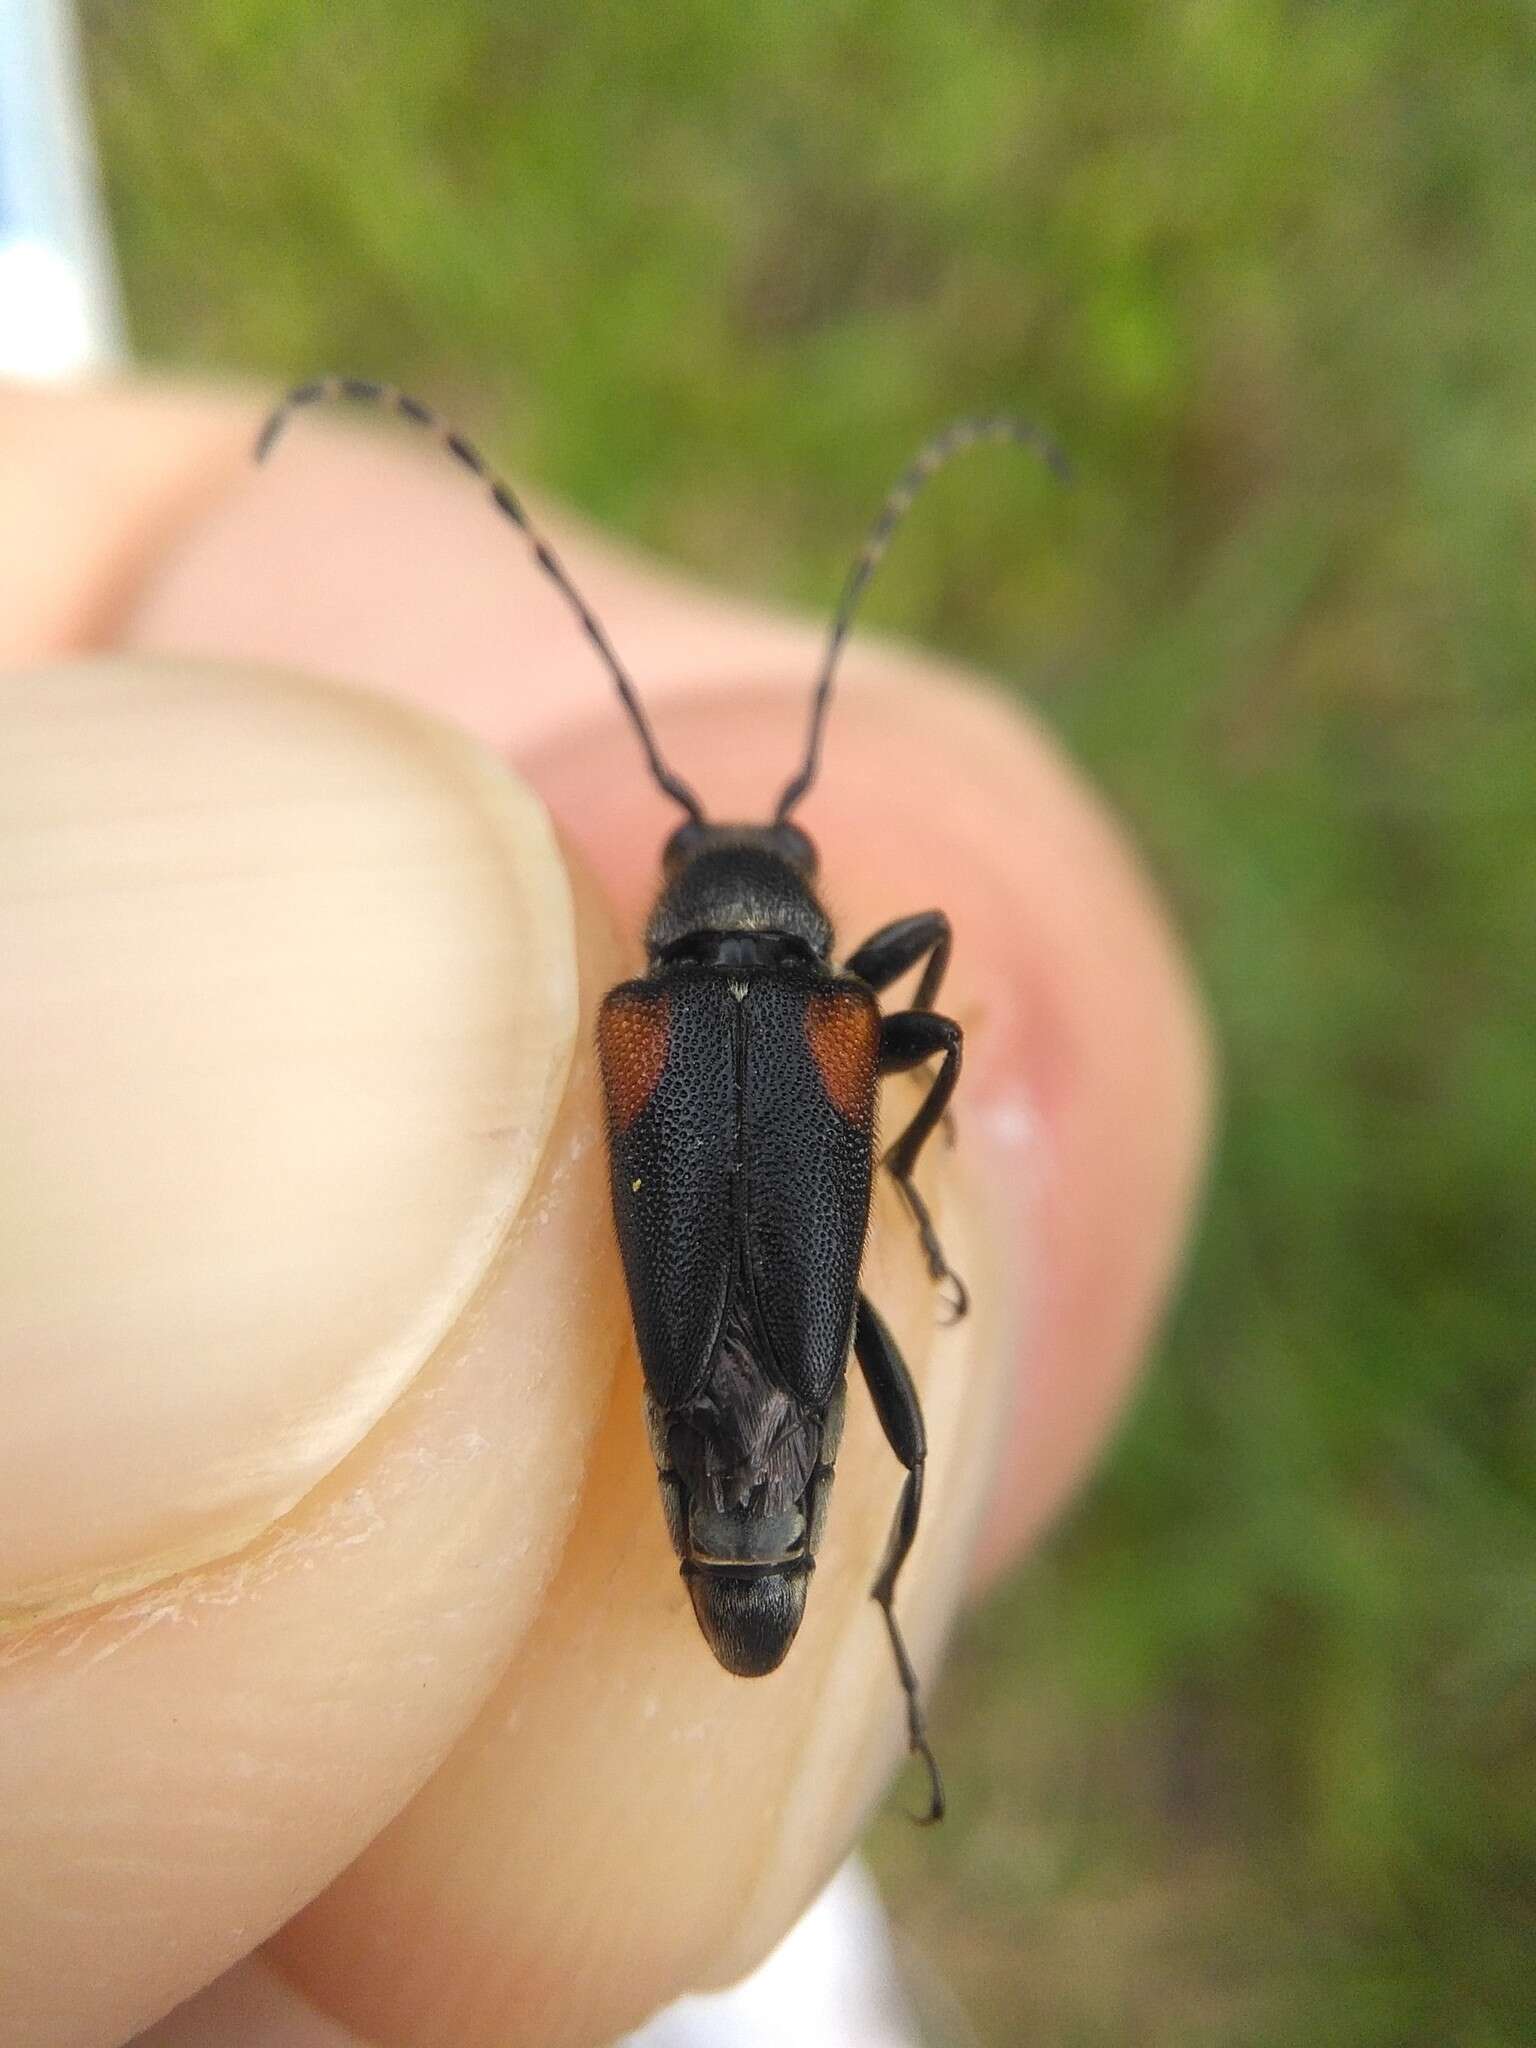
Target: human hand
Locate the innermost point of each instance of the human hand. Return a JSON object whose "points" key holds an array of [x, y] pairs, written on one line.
{"points": [[319, 1298]]}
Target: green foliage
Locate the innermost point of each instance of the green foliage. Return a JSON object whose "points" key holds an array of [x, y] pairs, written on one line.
{"points": [[1247, 1758]]}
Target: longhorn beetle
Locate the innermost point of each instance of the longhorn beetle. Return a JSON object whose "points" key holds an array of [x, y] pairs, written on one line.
{"points": [[740, 1075]]}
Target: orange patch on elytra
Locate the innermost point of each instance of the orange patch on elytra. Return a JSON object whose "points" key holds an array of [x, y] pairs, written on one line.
{"points": [[844, 1034], [632, 1031]]}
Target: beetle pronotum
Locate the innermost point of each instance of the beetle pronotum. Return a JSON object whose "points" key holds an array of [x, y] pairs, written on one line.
{"points": [[740, 1074]]}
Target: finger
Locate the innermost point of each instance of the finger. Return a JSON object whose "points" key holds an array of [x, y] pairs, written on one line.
{"points": [[311, 1303], [1087, 1078], [249, 2007], [184, 1765], [94, 485]]}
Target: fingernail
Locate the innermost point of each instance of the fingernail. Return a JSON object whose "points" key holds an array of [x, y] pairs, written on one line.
{"points": [[290, 1001]]}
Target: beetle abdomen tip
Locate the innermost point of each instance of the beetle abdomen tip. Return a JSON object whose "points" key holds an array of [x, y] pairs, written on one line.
{"points": [[749, 1622]]}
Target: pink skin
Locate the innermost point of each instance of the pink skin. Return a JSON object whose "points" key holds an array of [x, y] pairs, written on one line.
{"points": [[1086, 1083]]}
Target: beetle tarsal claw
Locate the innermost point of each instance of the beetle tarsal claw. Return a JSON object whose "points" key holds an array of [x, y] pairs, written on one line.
{"points": [[956, 1300], [936, 1800]]}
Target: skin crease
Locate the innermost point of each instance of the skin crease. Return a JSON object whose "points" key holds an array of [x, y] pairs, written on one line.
{"points": [[1083, 1113]]}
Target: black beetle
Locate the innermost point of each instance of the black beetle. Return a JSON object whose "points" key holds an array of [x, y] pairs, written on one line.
{"points": [[740, 1074]]}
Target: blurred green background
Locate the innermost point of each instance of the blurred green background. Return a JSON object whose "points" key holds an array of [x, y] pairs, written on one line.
{"points": [[1247, 1757]]}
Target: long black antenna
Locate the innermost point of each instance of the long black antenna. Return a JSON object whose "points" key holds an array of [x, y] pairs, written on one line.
{"points": [[327, 390], [931, 457]]}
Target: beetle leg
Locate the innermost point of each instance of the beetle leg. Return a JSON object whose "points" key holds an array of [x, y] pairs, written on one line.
{"points": [[896, 1404], [896, 947], [907, 1039]]}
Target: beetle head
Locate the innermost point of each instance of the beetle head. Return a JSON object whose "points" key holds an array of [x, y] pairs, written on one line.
{"points": [[781, 842], [742, 879]]}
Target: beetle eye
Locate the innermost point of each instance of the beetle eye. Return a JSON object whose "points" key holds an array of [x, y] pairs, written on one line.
{"points": [[796, 847], [682, 846]]}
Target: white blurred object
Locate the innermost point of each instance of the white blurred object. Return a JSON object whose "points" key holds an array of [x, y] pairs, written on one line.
{"points": [[830, 1983], [59, 309]]}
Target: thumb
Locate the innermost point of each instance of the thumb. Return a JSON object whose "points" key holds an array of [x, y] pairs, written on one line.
{"points": [[324, 1483], [308, 1315]]}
